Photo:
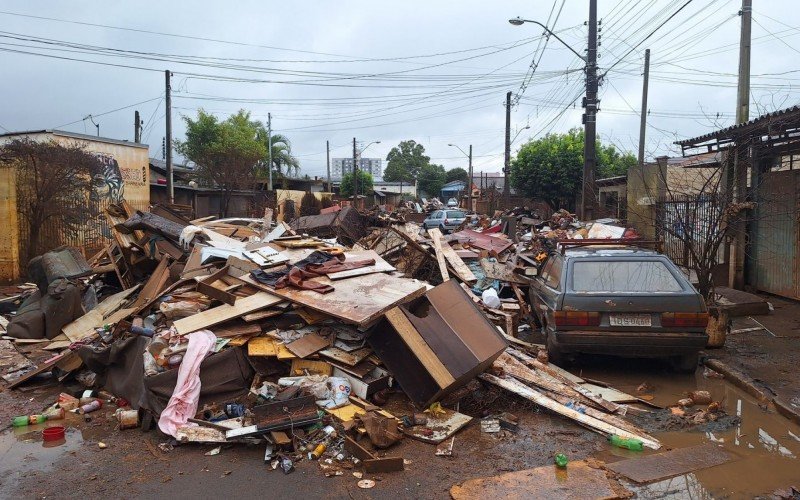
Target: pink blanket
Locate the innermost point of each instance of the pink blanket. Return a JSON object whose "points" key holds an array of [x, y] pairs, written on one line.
{"points": [[185, 397]]}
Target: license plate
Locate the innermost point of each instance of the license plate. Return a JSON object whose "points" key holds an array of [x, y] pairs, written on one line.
{"points": [[630, 320]]}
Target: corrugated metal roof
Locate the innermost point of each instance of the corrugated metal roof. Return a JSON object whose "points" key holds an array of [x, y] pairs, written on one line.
{"points": [[76, 135], [730, 131]]}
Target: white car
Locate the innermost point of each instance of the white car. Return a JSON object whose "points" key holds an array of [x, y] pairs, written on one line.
{"points": [[452, 202]]}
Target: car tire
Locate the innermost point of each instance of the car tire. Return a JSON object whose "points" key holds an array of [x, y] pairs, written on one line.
{"points": [[424, 226], [686, 363], [443, 229], [554, 353]]}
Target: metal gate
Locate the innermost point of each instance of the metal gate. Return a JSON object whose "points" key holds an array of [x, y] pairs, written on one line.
{"points": [[773, 257], [681, 219]]}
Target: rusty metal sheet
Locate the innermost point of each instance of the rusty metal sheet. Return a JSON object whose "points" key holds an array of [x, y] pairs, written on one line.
{"points": [[670, 463], [577, 481], [483, 241]]}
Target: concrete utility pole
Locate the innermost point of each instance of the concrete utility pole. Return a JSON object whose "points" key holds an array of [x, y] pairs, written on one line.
{"points": [[643, 122], [168, 141], [328, 162], [269, 149], [470, 206], [137, 127], [355, 170], [590, 118], [739, 174], [743, 93], [507, 165]]}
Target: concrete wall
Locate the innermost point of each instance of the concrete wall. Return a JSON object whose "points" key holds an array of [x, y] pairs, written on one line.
{"points": [[645, 185]]}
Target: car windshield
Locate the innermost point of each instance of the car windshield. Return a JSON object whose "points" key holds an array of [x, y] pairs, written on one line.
{"points": [[455, 214], [634, 276]]}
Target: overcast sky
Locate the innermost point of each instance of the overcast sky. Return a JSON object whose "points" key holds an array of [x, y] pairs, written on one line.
{"points": [[433, 71]]}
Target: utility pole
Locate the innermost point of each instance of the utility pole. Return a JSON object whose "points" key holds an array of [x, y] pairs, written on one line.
{"points": [[137, 127], [507, 165], [168, 145], [643, 122], [328, 162], [269, 149], [355, 172], [470, 206], [590, 118], [739, 174]]}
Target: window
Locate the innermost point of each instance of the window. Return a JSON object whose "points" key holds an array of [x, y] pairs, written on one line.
{"points": [[639, 276], [455, 214], [551, 275]]}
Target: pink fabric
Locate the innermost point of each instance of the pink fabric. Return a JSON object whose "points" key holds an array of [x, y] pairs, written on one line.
{"points": [[185, 397]]}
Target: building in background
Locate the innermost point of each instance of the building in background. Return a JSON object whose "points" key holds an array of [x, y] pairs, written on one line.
{"points": [[342, 166]]}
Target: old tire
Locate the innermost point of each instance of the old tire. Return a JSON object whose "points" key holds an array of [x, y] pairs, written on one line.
{"points": [[686, 363], [554, 352]]}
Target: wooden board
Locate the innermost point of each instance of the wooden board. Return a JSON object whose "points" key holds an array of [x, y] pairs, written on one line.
{"points": [[462, 270], [437, 429], [349, 358], [257, 316], [671, 463], [236, 329], [436, 237], [577, 481], [157, 282], [220, 314], [385, 464], [308, 345], [380, 266], [300, 366], [262, 346], [498, 271], [83, 326], [359, 301], [419, 347]]}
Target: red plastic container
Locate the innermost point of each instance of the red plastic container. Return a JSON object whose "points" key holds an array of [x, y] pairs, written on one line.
{"points": [[53, 433]]}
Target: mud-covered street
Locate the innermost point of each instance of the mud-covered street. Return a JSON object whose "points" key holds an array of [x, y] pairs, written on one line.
{"points": [[764, 446]]}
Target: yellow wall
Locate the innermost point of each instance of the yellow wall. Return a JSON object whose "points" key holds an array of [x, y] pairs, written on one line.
{"points": [[296, 196], [134, 173]]}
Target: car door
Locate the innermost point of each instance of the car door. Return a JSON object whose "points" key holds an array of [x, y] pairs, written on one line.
{"points": [[547, 288]]}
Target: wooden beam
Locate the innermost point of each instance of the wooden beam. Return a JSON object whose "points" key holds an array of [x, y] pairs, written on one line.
{"points": [[419, 347], [220, 314], [436, 236]]}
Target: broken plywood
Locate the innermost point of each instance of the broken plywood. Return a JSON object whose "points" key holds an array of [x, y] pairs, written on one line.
{"points": [[670, 463], [360, 300], [436, 238], [578, 481], [220, 314], [380, 266], [437, 429]]}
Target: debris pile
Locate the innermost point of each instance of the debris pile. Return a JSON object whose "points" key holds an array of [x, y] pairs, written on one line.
{"points": [[297, 335]]}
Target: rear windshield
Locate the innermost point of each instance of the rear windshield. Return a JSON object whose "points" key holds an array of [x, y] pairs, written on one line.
{"points": [[455, 214], [623, 277]]}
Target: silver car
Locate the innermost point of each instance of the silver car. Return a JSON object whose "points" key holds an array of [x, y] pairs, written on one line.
{"points": [[445, 220], [622, 300]]}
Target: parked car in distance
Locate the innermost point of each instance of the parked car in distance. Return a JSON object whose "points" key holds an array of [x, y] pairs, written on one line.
{"points": [[445, 220], [452, 203], [620, 300]]}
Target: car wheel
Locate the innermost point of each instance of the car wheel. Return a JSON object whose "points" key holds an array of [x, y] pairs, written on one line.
{"points": [[686, 363], [424, 226], [443, 229], [554, 352]]}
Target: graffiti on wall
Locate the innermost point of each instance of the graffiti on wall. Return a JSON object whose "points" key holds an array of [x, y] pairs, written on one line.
{"points": [[108, 184]]}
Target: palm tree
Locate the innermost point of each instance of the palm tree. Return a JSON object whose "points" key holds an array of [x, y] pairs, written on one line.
{"points": [[282, 155]]}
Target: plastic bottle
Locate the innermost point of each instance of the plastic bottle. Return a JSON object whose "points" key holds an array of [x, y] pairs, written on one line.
{"points": [[627, 443], [561, 460], [150, 365], [89, 408]]}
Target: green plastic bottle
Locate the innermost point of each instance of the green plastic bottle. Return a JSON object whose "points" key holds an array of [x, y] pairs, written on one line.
{"points": [[627, 443], [561, 460]]}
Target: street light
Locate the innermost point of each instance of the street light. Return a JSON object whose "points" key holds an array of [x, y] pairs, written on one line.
{"points": [[518, 21], [526, 127], [355, 164], [469, 181]]}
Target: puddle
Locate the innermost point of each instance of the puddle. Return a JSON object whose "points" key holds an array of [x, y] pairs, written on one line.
{"points": [[765, 446], [22, 450]]}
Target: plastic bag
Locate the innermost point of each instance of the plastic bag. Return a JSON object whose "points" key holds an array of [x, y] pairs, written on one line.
{"points": [[490, 298]]}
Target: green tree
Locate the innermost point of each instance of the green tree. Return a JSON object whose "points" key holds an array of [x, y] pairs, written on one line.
{"points": [[431, 179], [282, 158], [226, 152], [457, 174], [364, 183], [551, 168], [405, 161]]}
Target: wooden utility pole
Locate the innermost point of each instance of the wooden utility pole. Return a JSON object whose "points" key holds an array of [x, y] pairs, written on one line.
{"points": [[507, 164], [737, 257], [470, 205], [643, 121], [590, 118], [328, 162], [168, 141]]}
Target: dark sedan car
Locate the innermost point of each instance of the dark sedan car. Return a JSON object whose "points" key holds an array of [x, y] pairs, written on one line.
{"points": [[619, 300]]}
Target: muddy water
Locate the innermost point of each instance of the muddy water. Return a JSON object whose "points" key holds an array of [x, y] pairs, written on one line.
{"points": [[22, 449], [765, 446]]}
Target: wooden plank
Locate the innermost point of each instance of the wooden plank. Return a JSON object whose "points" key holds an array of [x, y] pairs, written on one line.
{"points": [[436, 236], [154, 285], [349, 358], [257, 316], [83, 326], [419, 347], [235, 329], [41, 368], [380, 266], [301, 366], [262, 346], [355, 449], [308, 345], [604, 428], [438, 428], [462, 270], [498, 271], [114, 302], [386, 464], [357, 301], [225, 312], [670, 463], [207, 287]]}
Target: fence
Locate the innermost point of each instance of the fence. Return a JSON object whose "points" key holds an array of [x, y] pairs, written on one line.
{"points": [[683, 223]]}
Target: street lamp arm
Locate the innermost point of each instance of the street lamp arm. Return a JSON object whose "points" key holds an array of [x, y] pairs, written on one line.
{"points": [[518, 21], [462, 151]]}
